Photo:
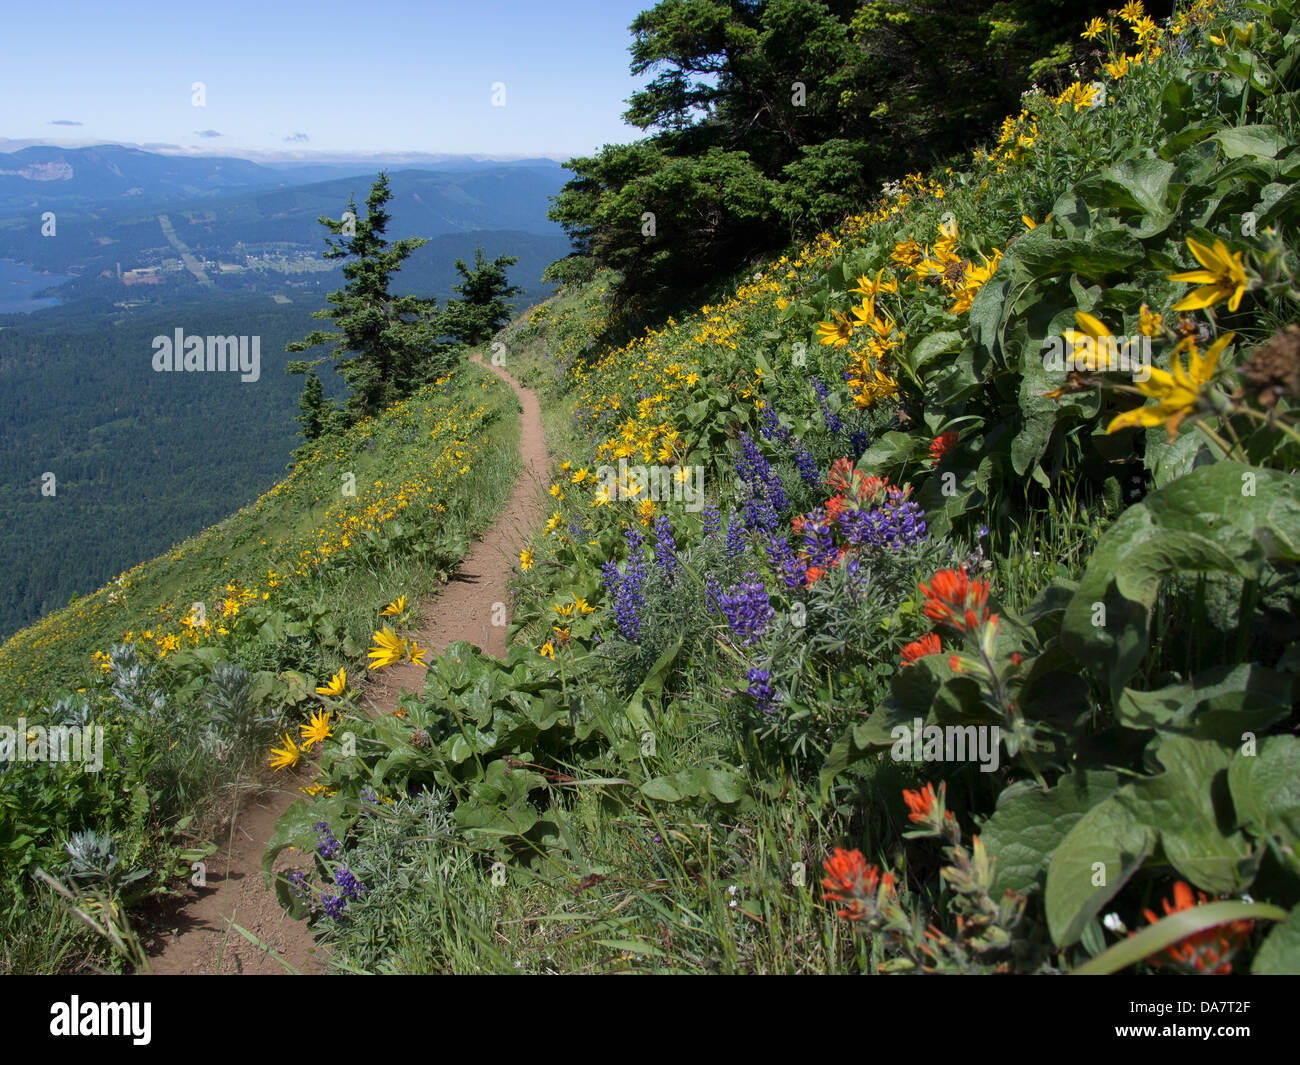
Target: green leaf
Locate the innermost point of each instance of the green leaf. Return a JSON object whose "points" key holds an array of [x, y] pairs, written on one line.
{"points": [[1139, 183], [1219, 703], [1029, 824], [1265, 789], [1262, 141], [1094, 860], [1226, 517], [1107, 253], [1187, 804], [726, 786], [1279, 954]]}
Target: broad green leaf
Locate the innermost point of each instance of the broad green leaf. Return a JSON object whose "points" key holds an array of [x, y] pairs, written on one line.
{"points": [[1265, 786], [1279, 954], [1187, 804], [1030, 823], [1262, 141], [1094, 860]]}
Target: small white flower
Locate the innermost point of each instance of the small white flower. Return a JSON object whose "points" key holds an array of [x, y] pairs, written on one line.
{"points": [[1113, 922]]}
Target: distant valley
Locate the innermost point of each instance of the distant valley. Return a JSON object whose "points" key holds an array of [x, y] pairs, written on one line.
{"points": [[145, 244]]}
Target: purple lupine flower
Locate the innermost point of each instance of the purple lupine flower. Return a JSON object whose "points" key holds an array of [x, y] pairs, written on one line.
{"points": [[819, 538], [298, 883], [754, 469], [760, 516], [829, 418], [735, 536], [348, 884], [894, 525], [772, 429], [712, 592], [712, 519], [807, 467], [370, 796], [326, 843], [333, 905], [665, 546], [625, 588], [760, 689], [747, 609], [793, 569], [858, 443]]}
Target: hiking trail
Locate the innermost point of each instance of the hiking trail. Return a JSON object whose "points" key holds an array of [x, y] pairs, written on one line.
{"points": [[203, 942]]}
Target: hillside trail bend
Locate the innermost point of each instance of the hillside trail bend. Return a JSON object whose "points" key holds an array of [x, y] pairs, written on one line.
{"points": [[202, 941]]}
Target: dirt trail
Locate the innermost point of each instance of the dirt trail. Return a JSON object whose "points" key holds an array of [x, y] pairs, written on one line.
{"points": [[203, 941]]}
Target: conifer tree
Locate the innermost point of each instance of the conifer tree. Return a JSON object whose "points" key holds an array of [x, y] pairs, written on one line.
{"points": [[385, 346], [482, 308], [312, 404]]}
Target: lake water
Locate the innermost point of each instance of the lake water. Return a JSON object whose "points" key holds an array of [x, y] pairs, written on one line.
{"points": [[18, 285]]}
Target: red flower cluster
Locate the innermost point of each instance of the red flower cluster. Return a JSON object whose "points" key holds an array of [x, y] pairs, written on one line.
{"points": [[850, 879], [942, 444], [862, 488], [921, 803], [1208, 950], [929, 644], [953, 599]]}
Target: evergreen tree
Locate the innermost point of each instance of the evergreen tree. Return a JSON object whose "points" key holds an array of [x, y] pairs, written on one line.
{"points": [[315, 415], [482, 308], [386, 345]]}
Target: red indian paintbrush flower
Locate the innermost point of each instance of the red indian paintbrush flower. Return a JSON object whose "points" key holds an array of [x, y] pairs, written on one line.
{"points": [[851, 879], [921, 802], [942, 444], [1206, 951], [954, 599], [928, 644]]}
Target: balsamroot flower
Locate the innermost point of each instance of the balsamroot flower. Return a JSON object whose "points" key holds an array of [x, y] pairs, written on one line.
{"points": [[285, 757], [336, 686], [317, 731], [1179, 393], [388, 650], [1224, 277], [1207, 951]]}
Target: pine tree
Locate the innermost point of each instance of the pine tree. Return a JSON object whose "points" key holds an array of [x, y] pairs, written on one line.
{"points": [[482, 308], [386, 345]]}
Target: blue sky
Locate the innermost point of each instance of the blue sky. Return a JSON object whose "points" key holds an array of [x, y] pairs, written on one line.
{"points": [[378, 76]]}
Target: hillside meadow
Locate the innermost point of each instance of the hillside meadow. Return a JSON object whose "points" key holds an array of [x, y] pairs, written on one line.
{"points": [[977, 653]]}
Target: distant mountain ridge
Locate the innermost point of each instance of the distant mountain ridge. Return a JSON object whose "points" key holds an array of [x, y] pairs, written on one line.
{"points": [[47, 177]]}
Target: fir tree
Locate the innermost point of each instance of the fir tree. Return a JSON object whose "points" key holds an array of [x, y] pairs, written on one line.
{"points": [[385, 345], [482, 308]]}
